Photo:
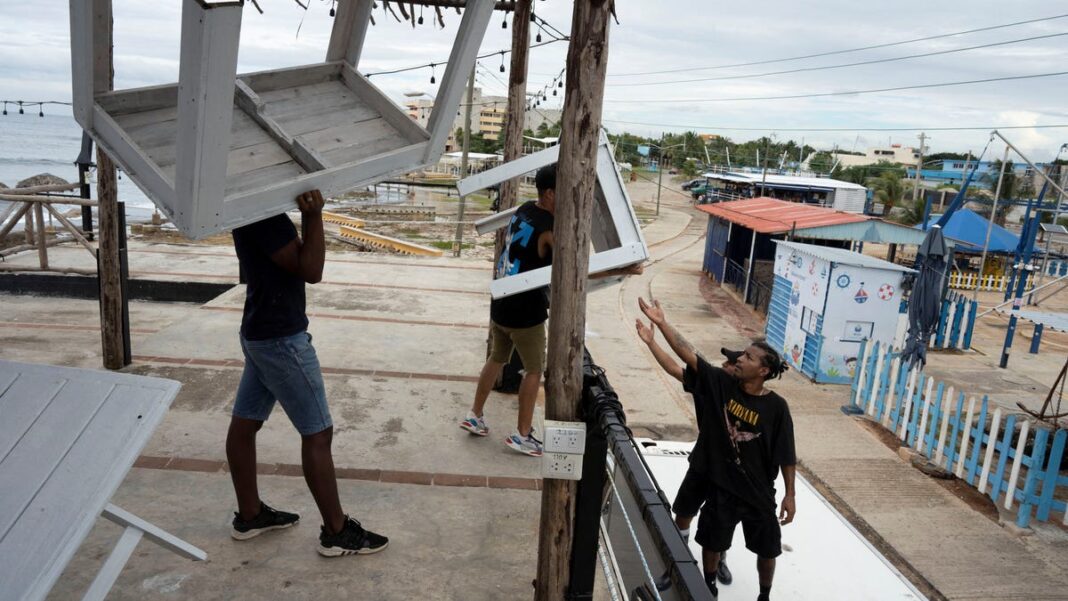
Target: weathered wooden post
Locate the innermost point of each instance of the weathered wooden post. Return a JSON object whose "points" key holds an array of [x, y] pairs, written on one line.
{"points": [[108, 269], [587, 59], [517, 112]]}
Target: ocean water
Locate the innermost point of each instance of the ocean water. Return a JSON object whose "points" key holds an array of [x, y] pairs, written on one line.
{"points": [[31, 145]]}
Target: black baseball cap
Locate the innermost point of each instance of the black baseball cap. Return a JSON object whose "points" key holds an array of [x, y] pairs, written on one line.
{"points": [[732, 356]]}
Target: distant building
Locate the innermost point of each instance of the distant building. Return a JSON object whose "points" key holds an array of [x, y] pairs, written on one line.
{"points": [[822, 191], [895, 153], [953, 173], [487, 118]]}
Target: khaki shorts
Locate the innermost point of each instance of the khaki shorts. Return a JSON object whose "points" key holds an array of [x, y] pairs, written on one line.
{"points": [[529, 342]]}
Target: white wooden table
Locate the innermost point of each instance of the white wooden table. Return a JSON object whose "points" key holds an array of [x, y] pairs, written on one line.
{"points": [[67, 439]]}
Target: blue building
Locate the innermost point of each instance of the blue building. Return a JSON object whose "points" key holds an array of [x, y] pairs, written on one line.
{"points": [[952, 172]]}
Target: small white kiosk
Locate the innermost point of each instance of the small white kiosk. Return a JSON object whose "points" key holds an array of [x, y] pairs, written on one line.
{"points": [[825, 301]]}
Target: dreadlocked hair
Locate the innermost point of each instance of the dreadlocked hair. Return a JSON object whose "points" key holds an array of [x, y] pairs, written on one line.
{"points": [[771, 360]]}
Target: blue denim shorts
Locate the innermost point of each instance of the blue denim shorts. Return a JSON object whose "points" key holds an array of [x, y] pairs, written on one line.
{"points": [[287, 370]]}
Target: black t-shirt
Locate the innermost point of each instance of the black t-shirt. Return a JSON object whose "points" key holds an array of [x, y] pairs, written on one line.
{"points": [[529, 308], [274, 298], [743, 439]]}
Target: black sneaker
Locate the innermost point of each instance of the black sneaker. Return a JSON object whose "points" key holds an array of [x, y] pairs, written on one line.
{"points": [[267, 519], [723, 573], [710, 582], [352, 540]]}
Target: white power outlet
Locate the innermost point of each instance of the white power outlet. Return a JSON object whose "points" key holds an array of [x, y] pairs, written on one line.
{"points": [[565, 437], [561, 466]]}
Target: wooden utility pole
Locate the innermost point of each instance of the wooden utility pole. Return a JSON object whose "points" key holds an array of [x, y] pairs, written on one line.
{"points": [[458, 243], [587, 60], [517, 112], [108, 268]]}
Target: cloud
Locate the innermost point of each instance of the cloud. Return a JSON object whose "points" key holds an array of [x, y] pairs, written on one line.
{"points": [[651, 36]]}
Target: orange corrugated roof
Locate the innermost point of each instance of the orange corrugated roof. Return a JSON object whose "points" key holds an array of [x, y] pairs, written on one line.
{"points": [[773, 216]]}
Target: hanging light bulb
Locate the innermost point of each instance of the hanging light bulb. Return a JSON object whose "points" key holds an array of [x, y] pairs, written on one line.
{"points": [[554, 92], [502, 61], [420, 15], [21, 112], [332, 11], [533, 17], [40, 110], [560, 85], [432, 78], [5, 108], [538, 38]]}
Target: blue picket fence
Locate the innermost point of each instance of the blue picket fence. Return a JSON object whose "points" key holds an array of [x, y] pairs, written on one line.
{"points": [[1011, 461], [956, 322]]}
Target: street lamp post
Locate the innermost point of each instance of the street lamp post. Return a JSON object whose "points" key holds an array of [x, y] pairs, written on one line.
{"points": [[660, 169]]}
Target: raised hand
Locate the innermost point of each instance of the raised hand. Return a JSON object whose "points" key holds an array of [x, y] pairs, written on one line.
{"points": [[646, 333], [653, 311]]}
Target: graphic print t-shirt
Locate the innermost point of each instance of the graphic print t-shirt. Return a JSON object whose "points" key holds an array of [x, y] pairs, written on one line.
{"points": [[743, 438], [529, 308], [274, 298]]}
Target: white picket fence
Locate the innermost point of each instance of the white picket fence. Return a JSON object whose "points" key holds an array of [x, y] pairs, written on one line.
{"points": [[961, 435], [988, 282]]}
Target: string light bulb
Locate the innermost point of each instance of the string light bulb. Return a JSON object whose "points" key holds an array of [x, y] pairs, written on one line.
{"points": [[538, 37], [502, 61], [40, 110], [420, 15], [432, 78], [21, 112], [533, 17], [5, 108]]}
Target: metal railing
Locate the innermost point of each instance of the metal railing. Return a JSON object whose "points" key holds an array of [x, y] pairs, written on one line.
{"points": [[759, 295], [623, 519]]}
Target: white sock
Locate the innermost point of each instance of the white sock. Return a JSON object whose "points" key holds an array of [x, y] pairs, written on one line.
{"points": [[685, 535]]}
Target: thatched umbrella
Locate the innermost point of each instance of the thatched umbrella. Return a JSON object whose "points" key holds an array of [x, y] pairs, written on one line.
{"points": [[42, 179]]}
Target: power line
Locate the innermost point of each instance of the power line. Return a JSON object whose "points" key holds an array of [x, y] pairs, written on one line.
{"points": [[843, 65], [836, 129], [846, 51], [844, 93]]}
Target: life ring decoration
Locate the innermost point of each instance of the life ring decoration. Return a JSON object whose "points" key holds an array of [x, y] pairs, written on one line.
{"points": [[843, 281], [886, 292]]}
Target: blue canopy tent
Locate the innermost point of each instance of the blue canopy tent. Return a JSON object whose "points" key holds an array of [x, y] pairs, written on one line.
{"points": [[968, 229]]}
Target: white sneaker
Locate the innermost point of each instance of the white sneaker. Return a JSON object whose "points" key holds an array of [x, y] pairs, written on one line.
{"points": [[528, 445], [475, 424]]}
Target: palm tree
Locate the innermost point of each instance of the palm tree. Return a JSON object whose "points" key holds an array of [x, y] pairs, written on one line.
{"points": [[888, 190]]}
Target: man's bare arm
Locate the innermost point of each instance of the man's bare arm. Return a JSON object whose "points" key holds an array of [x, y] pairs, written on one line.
{"points": [[647, 334], [786, 513], [675, 340]]}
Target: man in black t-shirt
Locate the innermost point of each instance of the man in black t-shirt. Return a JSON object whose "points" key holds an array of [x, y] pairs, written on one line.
{"points": [[745, 437], [518, 321], [281, 366]]}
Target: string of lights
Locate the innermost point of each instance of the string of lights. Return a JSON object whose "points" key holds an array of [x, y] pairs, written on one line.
{"points": [[22, 104]]}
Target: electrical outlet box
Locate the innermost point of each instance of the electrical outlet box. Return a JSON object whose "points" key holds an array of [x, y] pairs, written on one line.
{"points": [[561, 466], [565, 437]]}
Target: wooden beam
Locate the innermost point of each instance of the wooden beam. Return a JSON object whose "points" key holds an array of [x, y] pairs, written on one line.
{"points": [[48, 200], [39, 189], [576, 177], [206, 75], [70, 228], [349, 32], [14, 219], [461, 60], [42, 238], [250, 103], [108, 263], [517, 112]]}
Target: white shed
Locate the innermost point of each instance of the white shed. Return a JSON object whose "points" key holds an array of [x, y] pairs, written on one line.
{"points": [[825, 301]]}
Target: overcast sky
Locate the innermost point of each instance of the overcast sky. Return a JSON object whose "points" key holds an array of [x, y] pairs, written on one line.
{"points": [[655, 36]]}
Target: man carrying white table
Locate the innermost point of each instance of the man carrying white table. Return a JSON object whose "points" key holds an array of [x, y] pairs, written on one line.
{"points": [[281, 364]]}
